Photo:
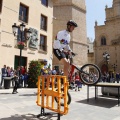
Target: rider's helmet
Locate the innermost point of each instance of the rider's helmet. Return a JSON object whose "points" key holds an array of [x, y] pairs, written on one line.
{"points": [[72, 23]]}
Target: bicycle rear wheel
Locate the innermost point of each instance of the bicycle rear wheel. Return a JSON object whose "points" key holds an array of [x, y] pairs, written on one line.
{"points": [[90, 74], [62, 99]]}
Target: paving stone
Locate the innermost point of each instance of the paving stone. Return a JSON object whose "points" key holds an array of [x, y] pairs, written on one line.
{"points": [[22, 106]]}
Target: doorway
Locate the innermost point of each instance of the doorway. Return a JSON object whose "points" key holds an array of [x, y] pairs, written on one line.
{"points": [[104, 68], [17, 61]]}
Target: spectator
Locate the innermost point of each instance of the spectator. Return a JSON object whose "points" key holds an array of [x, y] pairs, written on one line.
{"points": [[23, 70], [4, 73], [8, 71], [111, 77], [77, 80], [18, 74], [54, 72], [104, 77], [117, 77], [16, 79], [107, 77], [22, 73], [44, 68], [12, 75], [25, 79], [61, 72]]}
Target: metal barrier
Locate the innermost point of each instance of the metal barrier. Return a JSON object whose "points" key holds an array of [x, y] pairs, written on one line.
{"points": [[47, 89]]}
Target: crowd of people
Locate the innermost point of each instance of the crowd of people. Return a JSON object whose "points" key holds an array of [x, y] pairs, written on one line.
{"points": [[110, 77], [18, 76], [46, 69], [74, 84]]}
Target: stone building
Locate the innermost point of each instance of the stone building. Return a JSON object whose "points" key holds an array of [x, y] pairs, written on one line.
{"points": [[107, 39], [38, 17], [90, 51], [63, 11]]}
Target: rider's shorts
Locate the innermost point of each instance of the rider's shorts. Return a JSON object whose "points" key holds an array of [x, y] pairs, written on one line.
{"points": [[59, 54]]}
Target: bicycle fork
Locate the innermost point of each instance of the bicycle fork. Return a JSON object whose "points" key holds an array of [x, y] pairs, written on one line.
{"points": [[71, 72]]}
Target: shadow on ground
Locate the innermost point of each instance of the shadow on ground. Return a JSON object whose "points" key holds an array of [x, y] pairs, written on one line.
{"points": [[32, 94], [32, 117], [102, 101], [29, 94], [5, 93]]}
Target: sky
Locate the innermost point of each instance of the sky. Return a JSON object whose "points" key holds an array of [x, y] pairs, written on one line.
{"points": [[95, 12]]}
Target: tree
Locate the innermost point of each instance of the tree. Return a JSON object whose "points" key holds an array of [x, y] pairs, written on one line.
{"points": [[33, 72]]}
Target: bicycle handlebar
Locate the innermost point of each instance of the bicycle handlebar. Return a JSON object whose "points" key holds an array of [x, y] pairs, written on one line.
{"points": [[73, 54]]}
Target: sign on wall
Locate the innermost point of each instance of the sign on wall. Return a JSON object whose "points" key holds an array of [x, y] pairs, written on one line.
{"points": [[33, 41]]}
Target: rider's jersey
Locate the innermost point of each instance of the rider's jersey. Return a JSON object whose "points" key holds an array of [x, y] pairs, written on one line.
{"points": [[62, 40]]}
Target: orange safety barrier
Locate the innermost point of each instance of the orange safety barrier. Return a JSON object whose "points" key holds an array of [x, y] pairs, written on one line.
{"points": [[47, 89]]}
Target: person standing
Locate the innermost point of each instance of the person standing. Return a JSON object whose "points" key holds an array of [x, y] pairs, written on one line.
{"points": [[117, 77], [45, 69], [16, 79], [4, 74], [77, 80], [12, 75], [54, 72]]}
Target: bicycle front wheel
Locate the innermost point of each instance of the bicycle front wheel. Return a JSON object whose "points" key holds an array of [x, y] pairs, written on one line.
{"points": [[90, 74]]}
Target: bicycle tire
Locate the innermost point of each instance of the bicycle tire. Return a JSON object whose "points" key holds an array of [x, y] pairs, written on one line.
{"points": [[68, 100], [90, 74]]}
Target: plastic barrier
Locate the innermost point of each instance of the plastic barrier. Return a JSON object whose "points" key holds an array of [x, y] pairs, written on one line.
{"points": [[47, 88]]}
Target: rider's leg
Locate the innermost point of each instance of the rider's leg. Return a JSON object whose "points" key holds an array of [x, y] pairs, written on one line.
{"points": [[66, 64]]}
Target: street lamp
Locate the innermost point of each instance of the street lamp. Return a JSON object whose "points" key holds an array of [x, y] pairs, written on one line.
{"points": [[114, 67], [15, 32], [106, 56]]}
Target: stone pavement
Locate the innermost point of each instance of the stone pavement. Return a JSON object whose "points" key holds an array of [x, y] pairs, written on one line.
{"points": [[22, 106]]}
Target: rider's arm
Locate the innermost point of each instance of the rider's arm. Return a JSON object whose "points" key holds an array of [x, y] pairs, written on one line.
{"points": [[57, 44], [69, 49]]}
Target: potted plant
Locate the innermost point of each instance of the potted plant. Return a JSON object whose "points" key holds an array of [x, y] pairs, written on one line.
{"points": [[21, 45]]}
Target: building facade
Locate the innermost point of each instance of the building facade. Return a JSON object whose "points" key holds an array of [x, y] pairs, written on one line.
{"points": [[91, 58], [36, 16], [107, 39], [63, 11]]}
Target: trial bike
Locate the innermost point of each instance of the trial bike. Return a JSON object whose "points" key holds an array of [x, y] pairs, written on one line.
{"points": [[89, 74]]}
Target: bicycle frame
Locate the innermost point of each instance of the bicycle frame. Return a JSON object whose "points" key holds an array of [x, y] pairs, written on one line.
{"points": [[73, 67]]}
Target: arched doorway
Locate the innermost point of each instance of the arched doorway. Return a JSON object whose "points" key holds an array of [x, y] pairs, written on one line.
{"points": [[104, 68]]}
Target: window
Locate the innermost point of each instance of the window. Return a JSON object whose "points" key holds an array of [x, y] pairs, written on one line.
{"points": [[43, 22], [103, 41], [23, 13], [44, 2], [43, 42], [0, 6]]}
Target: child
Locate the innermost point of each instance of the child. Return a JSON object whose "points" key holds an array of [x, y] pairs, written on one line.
{"points": [[78, 83]]}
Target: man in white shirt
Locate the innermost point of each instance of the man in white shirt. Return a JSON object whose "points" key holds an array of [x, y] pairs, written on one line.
{"points": [[61, 45]]}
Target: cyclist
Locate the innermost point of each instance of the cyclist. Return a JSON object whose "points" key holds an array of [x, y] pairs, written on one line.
{"points": [[61, 45]]}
